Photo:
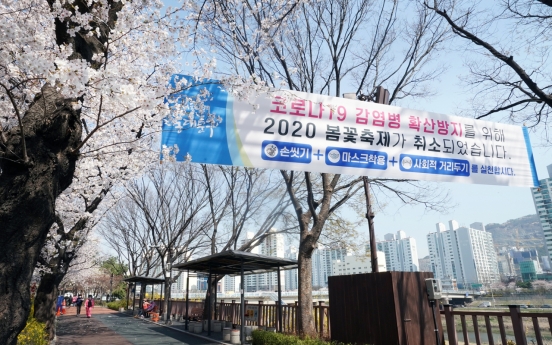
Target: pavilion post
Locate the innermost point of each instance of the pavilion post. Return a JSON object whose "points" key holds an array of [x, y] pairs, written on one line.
{"points": [[242, 306], [187, 298], [128, 297], [142, 293], [279, 303], [215, 298], [134, 299], [209, 304], [161, 299]]}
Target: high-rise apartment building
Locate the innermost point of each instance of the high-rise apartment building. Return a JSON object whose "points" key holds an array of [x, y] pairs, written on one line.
{"points": [[425, 264], [543, 204], [322, 260], [462, 253], [291, 276], [272, 245], [231, 284], [322, 265], [506, 267], [400, 252]]}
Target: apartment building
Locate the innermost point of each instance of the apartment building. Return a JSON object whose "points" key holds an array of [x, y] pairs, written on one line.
{"points": [[401, 253], [466, 254], [543, 205]]}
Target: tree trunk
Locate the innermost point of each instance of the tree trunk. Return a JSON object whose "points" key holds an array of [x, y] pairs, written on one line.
{"points": [[306, 319], [209, 303], [48, 289], [28, 191], [45, 302], [166, 310]]}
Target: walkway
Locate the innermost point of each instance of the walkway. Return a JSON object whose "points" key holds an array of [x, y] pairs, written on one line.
{"points": [[108, 327]]}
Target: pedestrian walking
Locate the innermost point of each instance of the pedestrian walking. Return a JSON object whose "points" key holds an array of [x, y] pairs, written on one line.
{"points": [[78, 303], [89, 306], [59, 303]]}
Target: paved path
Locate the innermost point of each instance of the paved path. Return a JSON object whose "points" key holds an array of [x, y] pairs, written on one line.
{"points": [[107, 327]]}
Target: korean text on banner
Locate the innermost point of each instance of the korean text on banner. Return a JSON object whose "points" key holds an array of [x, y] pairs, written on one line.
{"points": [[308, 132]]}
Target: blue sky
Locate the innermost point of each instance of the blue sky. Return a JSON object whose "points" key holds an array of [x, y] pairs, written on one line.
{"points": [[472, 203]]}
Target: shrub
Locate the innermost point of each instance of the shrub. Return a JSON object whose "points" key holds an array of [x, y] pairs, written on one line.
{"points": [[271, 338], [34, 332], [115, 305]]}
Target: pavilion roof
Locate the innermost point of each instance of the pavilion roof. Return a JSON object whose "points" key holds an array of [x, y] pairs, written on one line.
{"points": [[230, 262]]}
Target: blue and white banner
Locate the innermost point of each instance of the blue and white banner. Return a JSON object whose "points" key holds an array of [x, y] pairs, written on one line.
{"points": [[307, 132]]}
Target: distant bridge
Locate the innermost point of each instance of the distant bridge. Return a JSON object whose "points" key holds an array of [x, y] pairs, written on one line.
{"points": [[453, 296]]}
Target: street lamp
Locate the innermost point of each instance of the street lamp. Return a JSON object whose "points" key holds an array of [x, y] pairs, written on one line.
{"points": [[381, 95]]}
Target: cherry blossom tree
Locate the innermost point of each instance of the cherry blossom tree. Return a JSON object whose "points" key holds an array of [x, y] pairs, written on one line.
{"points": [[66, 270], [85, 264], [64, 249], [81, 88]]}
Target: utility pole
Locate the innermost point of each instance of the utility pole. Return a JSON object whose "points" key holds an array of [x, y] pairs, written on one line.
{"points": [[370, 218], [381, 96]]}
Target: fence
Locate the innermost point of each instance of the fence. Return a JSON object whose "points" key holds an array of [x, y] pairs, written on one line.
{"points": [[506, 327], [460, 327], [267, 314]]}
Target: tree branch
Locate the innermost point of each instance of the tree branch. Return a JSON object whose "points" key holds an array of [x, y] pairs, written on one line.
{"points": [[16, 108], [508, 60]]}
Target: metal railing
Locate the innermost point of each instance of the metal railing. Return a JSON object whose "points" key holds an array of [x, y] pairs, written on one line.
{"points": [[500, 327]]}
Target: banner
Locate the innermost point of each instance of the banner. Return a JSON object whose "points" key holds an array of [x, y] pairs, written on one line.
{"points": [[308, 132]]}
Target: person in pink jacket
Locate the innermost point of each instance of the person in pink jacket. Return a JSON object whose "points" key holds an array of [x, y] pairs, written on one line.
{"points": [[89, 305]]}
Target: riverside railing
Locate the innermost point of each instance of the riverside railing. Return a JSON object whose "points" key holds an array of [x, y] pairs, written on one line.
{"points": [[500, 327], [461, 327], [267, 314]]}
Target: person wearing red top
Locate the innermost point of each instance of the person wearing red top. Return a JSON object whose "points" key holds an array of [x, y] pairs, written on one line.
{"points": [[89, 305]]}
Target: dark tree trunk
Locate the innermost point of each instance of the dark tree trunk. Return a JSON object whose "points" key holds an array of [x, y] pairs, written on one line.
{"points": [[45, 302], [209, 303], [67, 246], [28, 191], [29, 188]]}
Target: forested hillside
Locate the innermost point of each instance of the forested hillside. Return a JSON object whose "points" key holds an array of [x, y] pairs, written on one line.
{"points": [[524, 232]]}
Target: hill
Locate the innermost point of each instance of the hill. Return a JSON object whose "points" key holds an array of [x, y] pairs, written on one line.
{"points": [[523, 232]]}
